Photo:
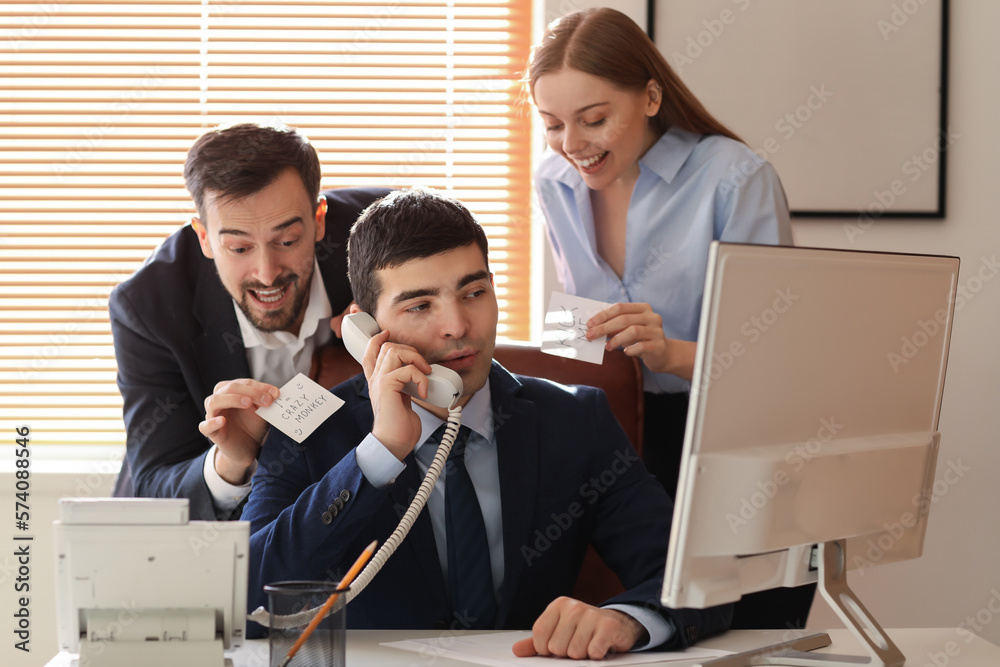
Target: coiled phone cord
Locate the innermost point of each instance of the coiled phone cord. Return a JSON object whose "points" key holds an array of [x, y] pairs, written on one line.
{"points": [[416, 505], [261, 616]]}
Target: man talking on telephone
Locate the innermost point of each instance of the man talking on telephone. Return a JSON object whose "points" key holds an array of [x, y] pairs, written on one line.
{"points": [[529, 451]]}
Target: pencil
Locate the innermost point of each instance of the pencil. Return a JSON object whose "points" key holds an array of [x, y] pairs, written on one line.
{"points": [[344, 583]]}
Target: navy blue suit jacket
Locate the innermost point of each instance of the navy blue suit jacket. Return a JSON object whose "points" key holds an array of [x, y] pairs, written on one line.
{"points": [[176, 336], [568, 477]]}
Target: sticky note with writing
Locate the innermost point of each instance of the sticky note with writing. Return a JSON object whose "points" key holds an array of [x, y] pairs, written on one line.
{"points": [[565, 328], [300, 408]]}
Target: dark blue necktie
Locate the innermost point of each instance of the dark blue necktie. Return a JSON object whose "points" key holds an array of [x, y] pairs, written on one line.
{"points": [[470, 577]]}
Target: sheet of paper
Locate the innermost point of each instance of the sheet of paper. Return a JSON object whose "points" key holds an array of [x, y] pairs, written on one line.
{"points": [[565, 328], [494, 649], [301, 406]]}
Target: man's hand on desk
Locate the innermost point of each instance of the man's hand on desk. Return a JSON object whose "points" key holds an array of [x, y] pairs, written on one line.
{"points": [[232, 423], [574, 629]]}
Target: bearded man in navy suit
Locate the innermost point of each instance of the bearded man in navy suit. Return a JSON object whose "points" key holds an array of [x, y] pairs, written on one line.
{"points": [[228, 309], [543, 459]]}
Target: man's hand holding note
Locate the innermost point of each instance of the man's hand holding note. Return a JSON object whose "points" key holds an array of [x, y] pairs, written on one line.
{"points": [[301, 407], [231, 423]]}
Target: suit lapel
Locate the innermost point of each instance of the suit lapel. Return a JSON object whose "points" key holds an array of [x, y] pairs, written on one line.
{"points": [[517, 457]]}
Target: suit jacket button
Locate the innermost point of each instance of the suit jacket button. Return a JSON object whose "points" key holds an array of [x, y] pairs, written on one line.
{"points": [[335, 511], [331, 508], [345, 495], [692, 634], [339, 504], [327, 518]]}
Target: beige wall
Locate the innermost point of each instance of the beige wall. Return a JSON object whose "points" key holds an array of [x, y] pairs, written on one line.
{"points": [[958, 577]]}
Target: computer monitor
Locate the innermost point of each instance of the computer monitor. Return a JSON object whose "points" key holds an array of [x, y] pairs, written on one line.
{"points": [[138, 584], [812, 433]]}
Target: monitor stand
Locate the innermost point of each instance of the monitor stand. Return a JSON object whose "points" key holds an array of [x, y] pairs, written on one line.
{"points": [[882, 652]]}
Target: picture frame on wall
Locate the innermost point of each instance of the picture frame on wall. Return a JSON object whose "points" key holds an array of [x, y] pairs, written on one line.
{"points": [[848, 99]]}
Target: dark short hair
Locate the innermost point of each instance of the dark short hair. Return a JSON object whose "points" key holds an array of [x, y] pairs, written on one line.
{"points": [[405, 225], [240, 160]]}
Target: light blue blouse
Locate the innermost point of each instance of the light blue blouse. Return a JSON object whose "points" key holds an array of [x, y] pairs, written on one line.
{"points": [[692, 189]]}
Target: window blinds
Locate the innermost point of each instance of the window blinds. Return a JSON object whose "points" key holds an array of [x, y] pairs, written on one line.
{"points": [[101, 101]]}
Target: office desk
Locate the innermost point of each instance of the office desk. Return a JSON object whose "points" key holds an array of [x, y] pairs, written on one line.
{"points": [[922, 646]]}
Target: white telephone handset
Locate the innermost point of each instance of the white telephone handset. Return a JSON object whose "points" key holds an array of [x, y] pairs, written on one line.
{"points": [[445, 384]]}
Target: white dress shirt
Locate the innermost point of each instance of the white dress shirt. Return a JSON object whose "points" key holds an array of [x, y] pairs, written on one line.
{"points": [[274, 357]]}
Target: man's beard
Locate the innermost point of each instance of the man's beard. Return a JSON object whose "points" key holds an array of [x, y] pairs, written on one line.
{"points": [[277, 320]]}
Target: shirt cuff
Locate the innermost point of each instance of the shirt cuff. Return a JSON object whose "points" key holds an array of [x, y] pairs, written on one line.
{"points": [[660, 629], [379, 466], [225, 496]]}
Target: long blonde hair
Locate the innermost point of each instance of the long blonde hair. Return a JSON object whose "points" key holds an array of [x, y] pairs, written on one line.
{"points": [[606, 43]]}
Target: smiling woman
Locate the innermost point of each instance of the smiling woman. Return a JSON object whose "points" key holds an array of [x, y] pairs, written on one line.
{"points": [[640, 180], [102, 101]]}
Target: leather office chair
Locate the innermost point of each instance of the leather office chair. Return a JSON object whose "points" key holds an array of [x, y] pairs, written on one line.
{"points": [[619, 376]]}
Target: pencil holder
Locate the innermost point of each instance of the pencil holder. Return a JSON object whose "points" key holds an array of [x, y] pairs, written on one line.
{"points": [[293, 605]]}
